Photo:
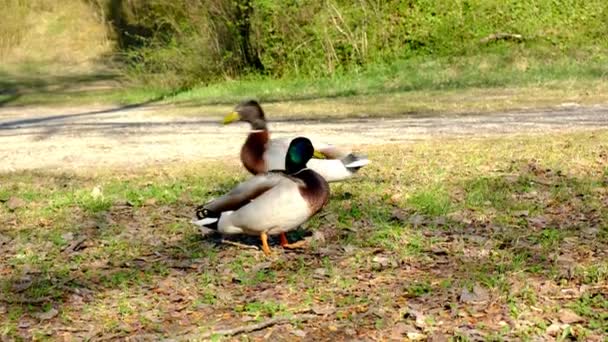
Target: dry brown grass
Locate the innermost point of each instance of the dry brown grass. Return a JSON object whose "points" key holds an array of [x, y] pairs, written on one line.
{"points": [[61, 35]]}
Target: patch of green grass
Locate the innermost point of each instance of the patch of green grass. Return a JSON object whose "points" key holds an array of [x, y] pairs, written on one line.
{"points": [[548, 238], [416, 74], [432, 202], [486, 191], [455, 85], [163, 194], [93, 204], [419, 288], [263, 308], [122, 278], [593, 274], [595, 308]]}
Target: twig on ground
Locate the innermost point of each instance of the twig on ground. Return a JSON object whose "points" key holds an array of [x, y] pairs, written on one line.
{"points": [[240, 245], [26, 300], [577, 294], [75, 245], [501, 36], [249, 328]]}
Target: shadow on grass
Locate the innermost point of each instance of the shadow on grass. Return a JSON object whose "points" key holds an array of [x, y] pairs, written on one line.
{"points": [[521, 223], [14, 87], [45, 126]]}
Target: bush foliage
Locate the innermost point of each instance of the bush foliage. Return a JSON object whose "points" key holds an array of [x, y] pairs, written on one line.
{"points": [[185, 42]]}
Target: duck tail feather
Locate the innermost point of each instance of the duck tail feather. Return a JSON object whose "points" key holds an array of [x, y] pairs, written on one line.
{"points": [[354, 162], [206, 218], [209, 222]]}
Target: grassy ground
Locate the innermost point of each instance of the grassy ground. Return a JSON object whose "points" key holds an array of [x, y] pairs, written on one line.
{"points": [[495, 69], [476, 239], [480, 83], [435, 88]]}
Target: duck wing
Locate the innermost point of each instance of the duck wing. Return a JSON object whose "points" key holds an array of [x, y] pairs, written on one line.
{"points": [[245, 192]]}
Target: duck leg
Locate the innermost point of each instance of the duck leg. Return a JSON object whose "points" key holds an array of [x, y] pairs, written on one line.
{"points": [[265, 247], [285, 243]]}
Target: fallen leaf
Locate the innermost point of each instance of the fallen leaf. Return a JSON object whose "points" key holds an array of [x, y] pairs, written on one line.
{"points": [[24, 324], [399, 330], [15, 203], [299, 333], [350, 331], [438, 337], [590, 231], [538, 221], [415, 336], [22, 284], [555, 329], [150, 201], [477, 296], [319, 273], [347, 206], [395, 198], [68, 236], [96, 192], [382, 260], [440, 221], [565, 260], [45, 316], [399, 215], [4, 239], [438, 251], [261, 266], [417, 315], [569, 317], [318, 236], [349, 248], [323, 310], [328, 251], [521, 213], [416, 220]]}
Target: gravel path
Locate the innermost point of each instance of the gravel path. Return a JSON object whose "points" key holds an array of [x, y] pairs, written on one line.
{"points": [[135, 136]]}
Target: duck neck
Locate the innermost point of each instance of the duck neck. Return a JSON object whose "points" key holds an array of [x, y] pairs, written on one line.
{"points": [[316, 189], [258, 124], [252, 152]]}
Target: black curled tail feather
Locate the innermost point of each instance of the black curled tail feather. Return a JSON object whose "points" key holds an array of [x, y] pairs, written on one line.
{"points": [[202, 213], [353, 157]]}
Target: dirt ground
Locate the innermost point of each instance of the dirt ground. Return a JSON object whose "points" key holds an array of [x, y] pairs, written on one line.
{"points": [[86, 137]]}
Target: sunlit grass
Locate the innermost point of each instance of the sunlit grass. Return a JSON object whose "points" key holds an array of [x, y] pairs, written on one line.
{"points": [[518, 216]]}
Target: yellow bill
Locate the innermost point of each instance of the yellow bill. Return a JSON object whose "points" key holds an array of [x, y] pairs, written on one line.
{"points": [[319, 155], [231, 117]]}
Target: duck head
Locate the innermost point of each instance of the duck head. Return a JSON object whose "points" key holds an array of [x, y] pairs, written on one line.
{"points": [[249, 111], [298, 154]]}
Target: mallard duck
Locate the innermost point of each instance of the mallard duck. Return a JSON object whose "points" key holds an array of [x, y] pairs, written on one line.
{"points": [[270, 203], [260, 154]]}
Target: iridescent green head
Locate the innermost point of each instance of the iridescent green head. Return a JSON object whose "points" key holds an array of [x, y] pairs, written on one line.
{"points": [[298, 154]]}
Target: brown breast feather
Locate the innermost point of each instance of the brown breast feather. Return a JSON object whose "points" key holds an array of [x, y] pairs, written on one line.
{"points": [[252, 152], [316, 190]]}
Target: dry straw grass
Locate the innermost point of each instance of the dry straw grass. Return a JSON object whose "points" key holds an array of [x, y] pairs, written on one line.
{"points": [[62, 34]]}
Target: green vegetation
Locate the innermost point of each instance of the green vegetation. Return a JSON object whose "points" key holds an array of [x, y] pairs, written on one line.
{"points": [[202, 42], [503, 238], [221, 51]]}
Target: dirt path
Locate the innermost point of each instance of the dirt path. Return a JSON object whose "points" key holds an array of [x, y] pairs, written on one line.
{"points": [[134, 136]]}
